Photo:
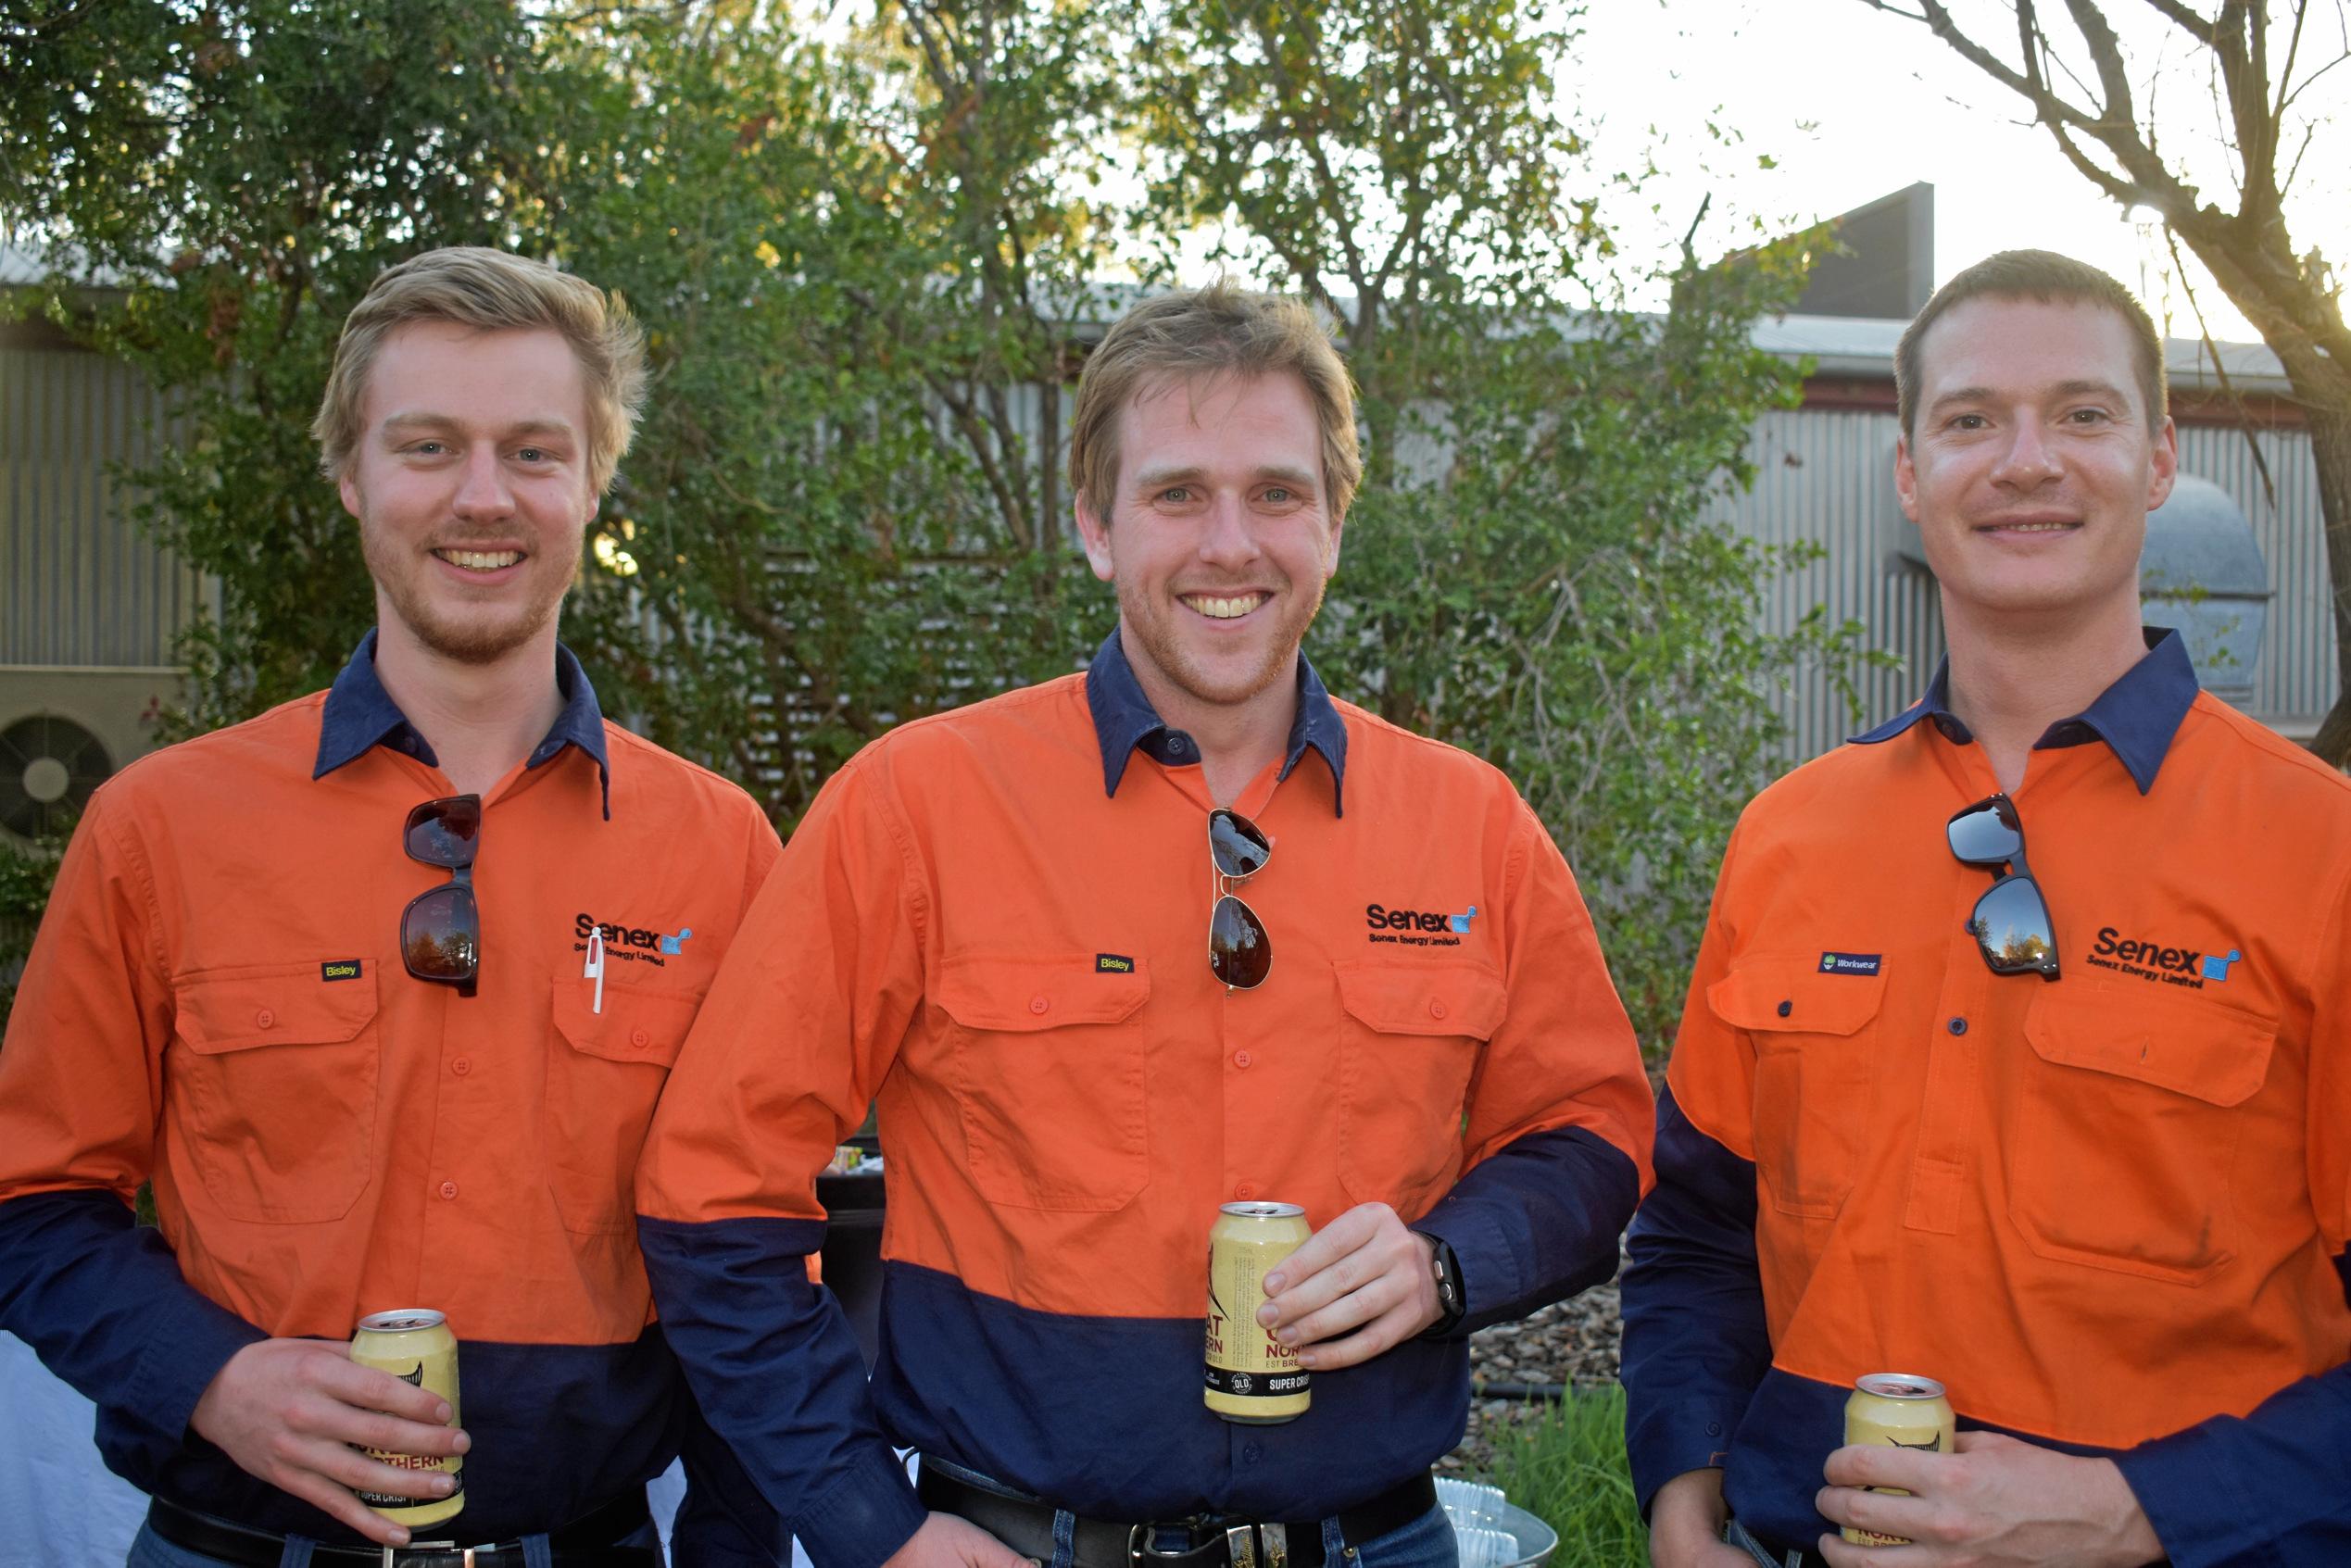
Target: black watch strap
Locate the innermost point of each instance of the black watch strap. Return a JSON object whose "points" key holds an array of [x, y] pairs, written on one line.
{"points": [[1451, 1300]]}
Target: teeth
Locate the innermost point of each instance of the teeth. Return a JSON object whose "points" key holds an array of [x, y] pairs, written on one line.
{"points": [[1225, 609], [479, 560]]}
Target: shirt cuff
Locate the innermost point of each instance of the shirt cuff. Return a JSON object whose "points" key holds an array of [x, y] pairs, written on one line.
{"points": [[1693, 1434], [193, 1338], [863, 1517]]}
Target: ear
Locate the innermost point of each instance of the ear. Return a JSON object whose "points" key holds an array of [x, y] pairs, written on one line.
{"points": [[1906, 478], [2164, 464], [348, 488], [1094, 532], [1330, 556]]}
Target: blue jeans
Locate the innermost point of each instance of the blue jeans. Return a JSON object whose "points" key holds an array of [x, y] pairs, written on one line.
{"points": [[1426, 1542], [151, 1550]]}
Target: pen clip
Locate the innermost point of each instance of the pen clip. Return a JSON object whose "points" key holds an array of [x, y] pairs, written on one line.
{"points": [[594, 967]]}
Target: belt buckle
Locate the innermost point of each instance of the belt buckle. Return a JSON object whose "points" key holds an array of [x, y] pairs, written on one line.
{"points": [[391, 1560], [1141, 1551], [1240, 1545]]}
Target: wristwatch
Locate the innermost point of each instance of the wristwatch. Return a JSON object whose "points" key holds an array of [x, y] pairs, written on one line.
{"points": [[1452, 1302]]}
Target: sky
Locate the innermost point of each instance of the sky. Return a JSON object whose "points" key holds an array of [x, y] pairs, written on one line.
{"points": [[1852, 104]]}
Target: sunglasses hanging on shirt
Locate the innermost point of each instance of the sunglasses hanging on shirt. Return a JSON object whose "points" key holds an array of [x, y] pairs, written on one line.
{"points": [[2011, 922], [1238, 950], [441, 929]]}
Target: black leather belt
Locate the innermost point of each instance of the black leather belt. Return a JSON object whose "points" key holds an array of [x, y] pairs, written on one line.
{"points": [[1027, 1525], [586, 1542]]}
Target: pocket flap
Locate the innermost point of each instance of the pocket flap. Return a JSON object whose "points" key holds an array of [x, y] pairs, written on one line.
{"points": [[2213, 1054], [280, 1004], [635, 1025], [1433, 999], [1022, 994], [1792, 996]]}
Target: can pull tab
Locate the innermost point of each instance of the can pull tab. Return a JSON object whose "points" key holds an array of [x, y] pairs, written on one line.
{"points": [[594, 967]]}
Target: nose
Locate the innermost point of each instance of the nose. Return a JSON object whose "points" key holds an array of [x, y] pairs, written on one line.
{"points": [[1227, 541], [482, 488], [2027, 460]]}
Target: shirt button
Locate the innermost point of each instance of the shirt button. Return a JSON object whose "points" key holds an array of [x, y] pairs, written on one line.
{"points": [[1436, 1008], [448, 1189], [264, 1018], [1242, 1058], [461, 1066], [1245, 1191], [1957, 1026], [1787, 1008], [1178, 744], [1252, 1453], [639, 1038], [1038, 1003]]}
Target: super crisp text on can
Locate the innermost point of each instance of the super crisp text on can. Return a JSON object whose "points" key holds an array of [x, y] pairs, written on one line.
{"points": [[1905, 1411], [1252, 1377], [415, 1346]]}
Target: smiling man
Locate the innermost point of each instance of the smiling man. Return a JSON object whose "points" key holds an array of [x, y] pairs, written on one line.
{"points": [[1022, 927], [2015, 1055], [320, 979]]}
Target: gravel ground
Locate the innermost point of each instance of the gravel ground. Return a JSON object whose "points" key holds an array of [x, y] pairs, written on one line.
{"points": [[1574, 1343]]}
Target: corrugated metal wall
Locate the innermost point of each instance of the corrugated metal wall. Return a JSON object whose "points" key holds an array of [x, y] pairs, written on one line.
{"points": [[1826, 476], [78, 584]]}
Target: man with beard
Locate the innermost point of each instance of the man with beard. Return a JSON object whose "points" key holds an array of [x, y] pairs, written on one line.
{"points": [[378, 990], [994, 920]]}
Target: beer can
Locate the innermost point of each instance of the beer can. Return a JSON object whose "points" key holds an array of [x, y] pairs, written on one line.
{"points": [[415, 1346], [1252, 1378], [1904, 1409]]}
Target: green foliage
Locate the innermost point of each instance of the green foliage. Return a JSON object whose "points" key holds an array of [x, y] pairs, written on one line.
{"points": [[1564, 1463], [868, 256], [26, 875]]}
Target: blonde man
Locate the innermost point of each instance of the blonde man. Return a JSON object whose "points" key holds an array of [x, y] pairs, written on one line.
{"points": [[995, 921], [320, 979]]}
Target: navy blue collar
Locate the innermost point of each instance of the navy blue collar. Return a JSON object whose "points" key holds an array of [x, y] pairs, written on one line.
{"points": [[361, 715], [1125, 720], [2137, 717]]}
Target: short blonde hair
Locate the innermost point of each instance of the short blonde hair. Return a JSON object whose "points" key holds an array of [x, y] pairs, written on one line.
{"points": [[1207, 332], [491, 290]]}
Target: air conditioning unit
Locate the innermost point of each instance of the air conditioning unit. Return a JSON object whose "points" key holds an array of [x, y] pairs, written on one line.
{"points": [[64, 730]]}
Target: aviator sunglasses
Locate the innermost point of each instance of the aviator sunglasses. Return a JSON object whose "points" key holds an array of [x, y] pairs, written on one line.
{"points": [[441, 929], [2011, 922], [1238, 950]]}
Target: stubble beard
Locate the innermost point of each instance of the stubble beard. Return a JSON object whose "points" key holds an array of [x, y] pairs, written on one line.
{"points": [[477, 639], [1165, 649]]}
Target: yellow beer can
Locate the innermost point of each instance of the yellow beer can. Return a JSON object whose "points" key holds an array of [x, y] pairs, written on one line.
{"points": [[1904, 1409], [415, 1346], [1252, 1378]]}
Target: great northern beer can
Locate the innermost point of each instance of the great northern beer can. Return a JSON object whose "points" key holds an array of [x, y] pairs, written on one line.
{"points": [[415, 1346], [1902, 1409], [1252, 1378]]}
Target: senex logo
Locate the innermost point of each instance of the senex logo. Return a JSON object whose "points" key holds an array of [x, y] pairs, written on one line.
{"points": [[2155, 961]]}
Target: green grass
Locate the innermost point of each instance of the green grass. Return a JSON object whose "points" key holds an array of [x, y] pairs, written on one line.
{"points": [[1565, 1464]]}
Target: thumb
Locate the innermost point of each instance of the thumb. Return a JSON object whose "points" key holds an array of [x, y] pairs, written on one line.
{"points": [[984, 1551]]}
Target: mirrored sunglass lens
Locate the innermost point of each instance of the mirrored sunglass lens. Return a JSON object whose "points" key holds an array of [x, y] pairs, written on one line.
{"points": [[1987, 834], [1235, 846], [441, 935], [1238, 950], [442, 833], [2012, 924]]}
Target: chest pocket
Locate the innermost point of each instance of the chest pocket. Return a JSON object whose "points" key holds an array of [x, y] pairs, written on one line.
{"points": [[269, 1090], [1048, 1073], [604, 1074], [1409, 1041], [1815, 1038], [2127, 1122]]}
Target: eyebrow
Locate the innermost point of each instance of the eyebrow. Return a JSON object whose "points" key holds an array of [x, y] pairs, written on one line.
{"points": [[1192, 473], [1967, 395], [405, 422]]}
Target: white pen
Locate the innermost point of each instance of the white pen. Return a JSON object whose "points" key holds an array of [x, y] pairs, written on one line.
{"points": [[594, 969]]}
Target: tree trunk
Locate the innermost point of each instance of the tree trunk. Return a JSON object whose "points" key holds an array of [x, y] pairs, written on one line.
{"points": [[2331, 452]]}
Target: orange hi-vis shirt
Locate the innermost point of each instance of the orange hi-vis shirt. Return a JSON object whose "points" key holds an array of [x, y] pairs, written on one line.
{"points": [[995, 919], [2108, 1211], [216, 1003]]}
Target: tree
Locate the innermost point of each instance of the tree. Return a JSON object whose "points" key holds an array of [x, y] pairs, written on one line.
{"points": [[2106, 129]]}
